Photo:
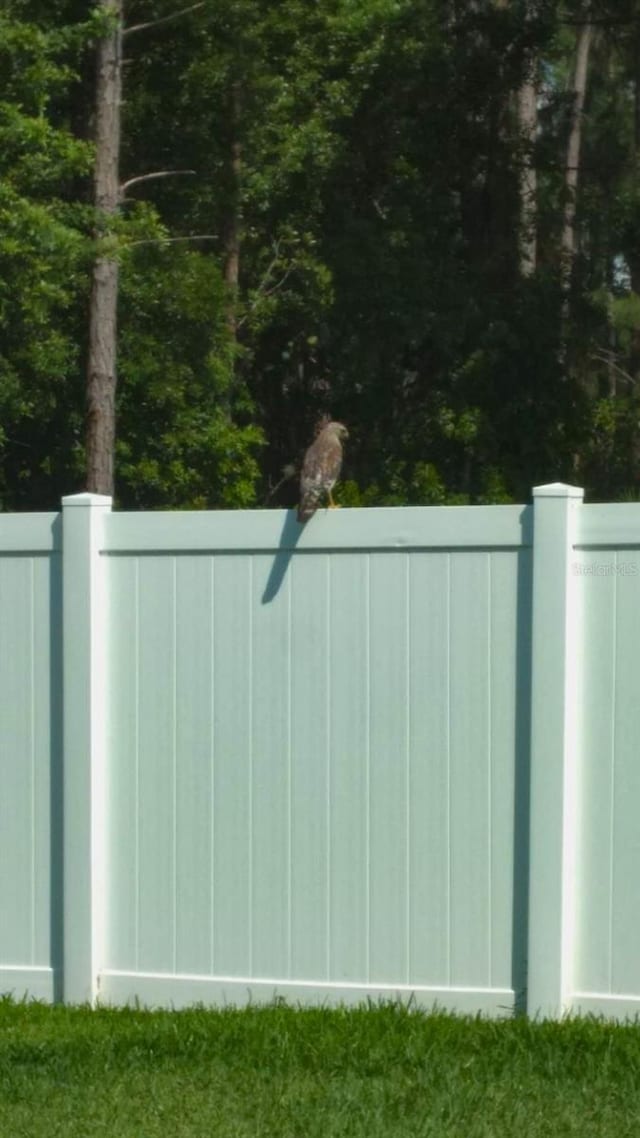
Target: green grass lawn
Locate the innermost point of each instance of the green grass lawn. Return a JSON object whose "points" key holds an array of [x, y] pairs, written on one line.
{"points": [[379, 1072]]}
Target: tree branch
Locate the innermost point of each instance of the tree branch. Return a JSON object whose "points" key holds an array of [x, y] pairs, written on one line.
{"points": [[171, 240], [602, 355], [278, 284], [264, 292], [262, 289], [163, 19], [148, 177], [288, 471], [267, 276], [597, 21]]}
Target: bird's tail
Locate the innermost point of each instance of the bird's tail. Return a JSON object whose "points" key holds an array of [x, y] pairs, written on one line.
{"points": [[305, 512]]}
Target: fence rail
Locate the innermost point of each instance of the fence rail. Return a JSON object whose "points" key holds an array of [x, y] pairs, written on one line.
{"points": [[391, 753]]}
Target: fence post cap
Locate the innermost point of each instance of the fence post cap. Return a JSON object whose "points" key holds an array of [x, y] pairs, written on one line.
{"points": [[558, 490], [86, 499]]}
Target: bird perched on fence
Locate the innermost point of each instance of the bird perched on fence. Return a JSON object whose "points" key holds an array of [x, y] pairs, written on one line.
{"points": [[321, 468]]}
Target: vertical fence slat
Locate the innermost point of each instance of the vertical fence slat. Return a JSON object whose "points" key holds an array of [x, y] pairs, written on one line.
{"points": [[348, 697], [469, 782], [232, 790], [553, 750]]}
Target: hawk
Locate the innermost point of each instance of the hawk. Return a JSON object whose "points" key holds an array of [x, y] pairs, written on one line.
{"points": [[320, 469]]}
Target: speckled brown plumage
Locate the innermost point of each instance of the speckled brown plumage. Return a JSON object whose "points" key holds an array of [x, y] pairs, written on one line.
{"points": [[320, 469]]}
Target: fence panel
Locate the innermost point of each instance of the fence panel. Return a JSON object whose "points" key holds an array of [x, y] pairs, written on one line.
{"points": [[390, 753], [606, 572], [30, 754], [317, 759]]}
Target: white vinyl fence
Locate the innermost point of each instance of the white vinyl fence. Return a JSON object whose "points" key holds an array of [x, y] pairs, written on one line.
{"points": [[394, 753]]}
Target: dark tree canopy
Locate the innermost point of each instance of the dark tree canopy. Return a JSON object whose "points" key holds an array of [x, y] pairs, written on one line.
{"points": [[419, 217]]}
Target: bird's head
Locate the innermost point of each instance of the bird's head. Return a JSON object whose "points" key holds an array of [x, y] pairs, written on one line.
{"points": [[338, 429]]}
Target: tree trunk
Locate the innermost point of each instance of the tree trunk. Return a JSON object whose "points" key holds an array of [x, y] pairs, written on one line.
{"points": [[528, 126], [636, 91], [527, 115], [569, 244], [232, 229], [101, 378]]}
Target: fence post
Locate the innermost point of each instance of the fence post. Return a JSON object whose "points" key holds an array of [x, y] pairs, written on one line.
{"points": [[553, 750], [83, 735]]}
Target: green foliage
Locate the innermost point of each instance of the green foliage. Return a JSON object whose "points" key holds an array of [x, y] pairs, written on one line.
{"points": [[624, 316], [44, 258], [375, 199], [187, 437]]}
